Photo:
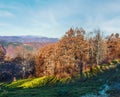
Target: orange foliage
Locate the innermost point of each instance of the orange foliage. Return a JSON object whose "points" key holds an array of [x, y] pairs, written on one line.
{"points": [[114, 46], [73, 53], [63, 58]]}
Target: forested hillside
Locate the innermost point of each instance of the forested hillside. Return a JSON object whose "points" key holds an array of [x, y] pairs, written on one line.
{"points": [[80, 60], [77, 51]]}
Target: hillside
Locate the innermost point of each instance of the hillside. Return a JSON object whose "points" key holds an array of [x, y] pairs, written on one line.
{"points": [[72, 67], [103, 82]]}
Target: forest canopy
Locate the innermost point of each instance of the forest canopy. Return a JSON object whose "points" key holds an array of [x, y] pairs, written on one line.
{"points": [[76, 52]]}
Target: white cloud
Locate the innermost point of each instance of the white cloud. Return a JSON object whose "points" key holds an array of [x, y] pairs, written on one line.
{"points": [[6, 14], [54, 18], [109, 25]]}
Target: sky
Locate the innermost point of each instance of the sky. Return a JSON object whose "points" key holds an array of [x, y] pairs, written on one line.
{"points": [[52, 18]]}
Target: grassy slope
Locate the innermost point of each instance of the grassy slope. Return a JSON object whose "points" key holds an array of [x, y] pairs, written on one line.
{"points": [[53, 87]]}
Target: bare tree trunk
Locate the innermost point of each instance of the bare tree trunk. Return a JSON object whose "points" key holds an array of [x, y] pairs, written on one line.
{"points": [[14, 79], [81, 68]]}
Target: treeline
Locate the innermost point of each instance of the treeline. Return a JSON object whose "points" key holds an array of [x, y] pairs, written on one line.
{"points": [[75, 52]]}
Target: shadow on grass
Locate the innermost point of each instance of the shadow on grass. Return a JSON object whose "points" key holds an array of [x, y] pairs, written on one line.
{"points": [[76, 87]]}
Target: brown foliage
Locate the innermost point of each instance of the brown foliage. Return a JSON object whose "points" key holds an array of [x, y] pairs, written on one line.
{"points": [[62, 58], [44, 60], [74, 53], [113, 46]]}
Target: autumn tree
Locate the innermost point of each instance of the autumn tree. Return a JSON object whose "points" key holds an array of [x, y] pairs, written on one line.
{"points": [[96, 47], [113, 46], [65, 58], [73, 51], [91, 53], [99, 47], [44, 61]]}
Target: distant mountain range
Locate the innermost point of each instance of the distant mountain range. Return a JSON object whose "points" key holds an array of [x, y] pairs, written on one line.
{"points": [[24, 39], [15, 44]]}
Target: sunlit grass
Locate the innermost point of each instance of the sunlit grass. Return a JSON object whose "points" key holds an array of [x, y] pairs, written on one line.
{"points": [[51, 86], [17, 83], [37, 82], [51, 80]]}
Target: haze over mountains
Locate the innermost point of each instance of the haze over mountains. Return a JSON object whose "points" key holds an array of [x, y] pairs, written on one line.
{"points": [[23, 39], [15, 44]]}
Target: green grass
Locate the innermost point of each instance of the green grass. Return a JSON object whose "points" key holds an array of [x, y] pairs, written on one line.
{"points": [[37, 82], [50, 86], [51, 91]]}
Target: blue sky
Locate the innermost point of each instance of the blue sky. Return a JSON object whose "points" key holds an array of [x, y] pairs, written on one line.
{"points": [[52, 18]]}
